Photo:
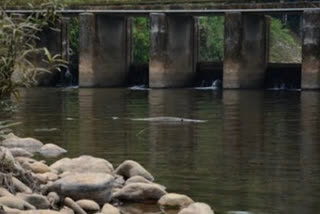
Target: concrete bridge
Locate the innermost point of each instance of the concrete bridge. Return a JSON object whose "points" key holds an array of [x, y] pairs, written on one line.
{"points": [[106, 42]]}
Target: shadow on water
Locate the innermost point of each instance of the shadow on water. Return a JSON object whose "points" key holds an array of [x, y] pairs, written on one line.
{"points": [[259, 152]]}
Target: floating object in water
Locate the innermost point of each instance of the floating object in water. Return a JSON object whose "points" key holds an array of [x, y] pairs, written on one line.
{"points": [[46, 130], [69, 118], [169, 119], [216, 85], [115, 118], [139, 88]]}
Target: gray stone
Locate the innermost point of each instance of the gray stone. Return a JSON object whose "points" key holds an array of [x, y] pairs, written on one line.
{"points": [[175, 200], [39, 167], [66, 210], [197, 208], [15, 203], [54, 199], [140, 192], [21, 187], [51, 150], [29, 144], [4, 192], [20, 152], [40, 212], [91, 186], [109, 209], [131, 168], [38, 201], [137, 179], [83, 164], [88, 205]]}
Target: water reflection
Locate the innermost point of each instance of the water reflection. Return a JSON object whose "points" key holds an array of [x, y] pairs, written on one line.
{"points": [[258, 152]]}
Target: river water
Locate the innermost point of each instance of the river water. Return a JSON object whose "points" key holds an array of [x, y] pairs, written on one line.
{"points": [[258, 152]]}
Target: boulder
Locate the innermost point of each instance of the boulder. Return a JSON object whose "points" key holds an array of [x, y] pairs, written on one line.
{"points": [[46, 177], [51, 150], [66, 210], [15, 203], [137, 179], [109, 209], [140, 192], [40, 212], [88, 205], [39, 167], [20, 187], [175, 200], [54, 199], [131, 168], [119, 181], [8, 210], [30, 144], [4, 192], [20, 152], [197, 208], [38, 201], [74, 206], [91, 186], [82, 164]]}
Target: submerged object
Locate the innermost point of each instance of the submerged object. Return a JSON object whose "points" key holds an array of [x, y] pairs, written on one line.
{"points": [[169, 119]]}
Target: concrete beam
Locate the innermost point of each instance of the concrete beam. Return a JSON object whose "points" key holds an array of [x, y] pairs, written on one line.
{"points": [[105, 50], [172, 51], [246, 50], [310, 74]]}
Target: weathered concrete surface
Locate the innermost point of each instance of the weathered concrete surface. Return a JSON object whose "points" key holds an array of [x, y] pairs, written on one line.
{"points": [[246, 50], [310, 75], [172, 51], [105, 50]]}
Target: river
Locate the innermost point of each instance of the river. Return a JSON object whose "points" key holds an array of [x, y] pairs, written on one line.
{"points": [[258, 152]]}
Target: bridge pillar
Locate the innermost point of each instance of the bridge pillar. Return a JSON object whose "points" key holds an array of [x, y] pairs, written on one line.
{"points": [[310, 74], [246, 50], [105, 50], [172, 50]]}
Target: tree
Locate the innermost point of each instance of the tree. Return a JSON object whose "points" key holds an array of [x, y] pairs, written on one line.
{"points": [[18, 37]]}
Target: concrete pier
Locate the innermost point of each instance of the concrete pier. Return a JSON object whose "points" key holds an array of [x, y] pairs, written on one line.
{"points": [[172, 51], [310, 74], [104, 50], [245, 50]]}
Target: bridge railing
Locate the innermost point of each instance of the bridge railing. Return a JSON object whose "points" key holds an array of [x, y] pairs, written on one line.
{"points": [[149, 2]]}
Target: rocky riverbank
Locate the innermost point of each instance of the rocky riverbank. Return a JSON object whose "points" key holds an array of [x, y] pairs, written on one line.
{"points": [[79, 185]]}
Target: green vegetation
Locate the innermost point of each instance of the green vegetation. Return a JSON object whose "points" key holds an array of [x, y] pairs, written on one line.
{"points": [[285, 46], [141, 40], [211, 38], [18, 37]]}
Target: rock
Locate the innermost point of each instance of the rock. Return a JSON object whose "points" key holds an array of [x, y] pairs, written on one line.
{"points": [[83, 164], [142, 208], [119, 181], [54, 199], [15, 203], [91, 186], [140, 192], [8, 210], [51, 150], [21, 187], [131, 168], [137, 179], [6, 158], [66, 210], [20, 152], [40, 212], [46, 177], [109, 209], [39, 167], [175, 200], [29, 144], [74, 206], [38, 201], [22, 160], [197, 208], [88, 205], [4, 192]]}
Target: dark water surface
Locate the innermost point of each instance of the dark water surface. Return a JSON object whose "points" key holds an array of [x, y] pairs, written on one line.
{"points": [[259, 152]]}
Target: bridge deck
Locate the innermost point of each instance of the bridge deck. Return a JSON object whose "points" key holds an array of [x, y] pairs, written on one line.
{"points": [[193, 6]]}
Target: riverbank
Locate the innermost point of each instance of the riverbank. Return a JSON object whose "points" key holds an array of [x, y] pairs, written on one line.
{"points": [[79, 185]]}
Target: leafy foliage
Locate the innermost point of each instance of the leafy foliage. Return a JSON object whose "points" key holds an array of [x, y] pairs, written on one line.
{"points": [[141, 40], [18, 36], [211, 38]]}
